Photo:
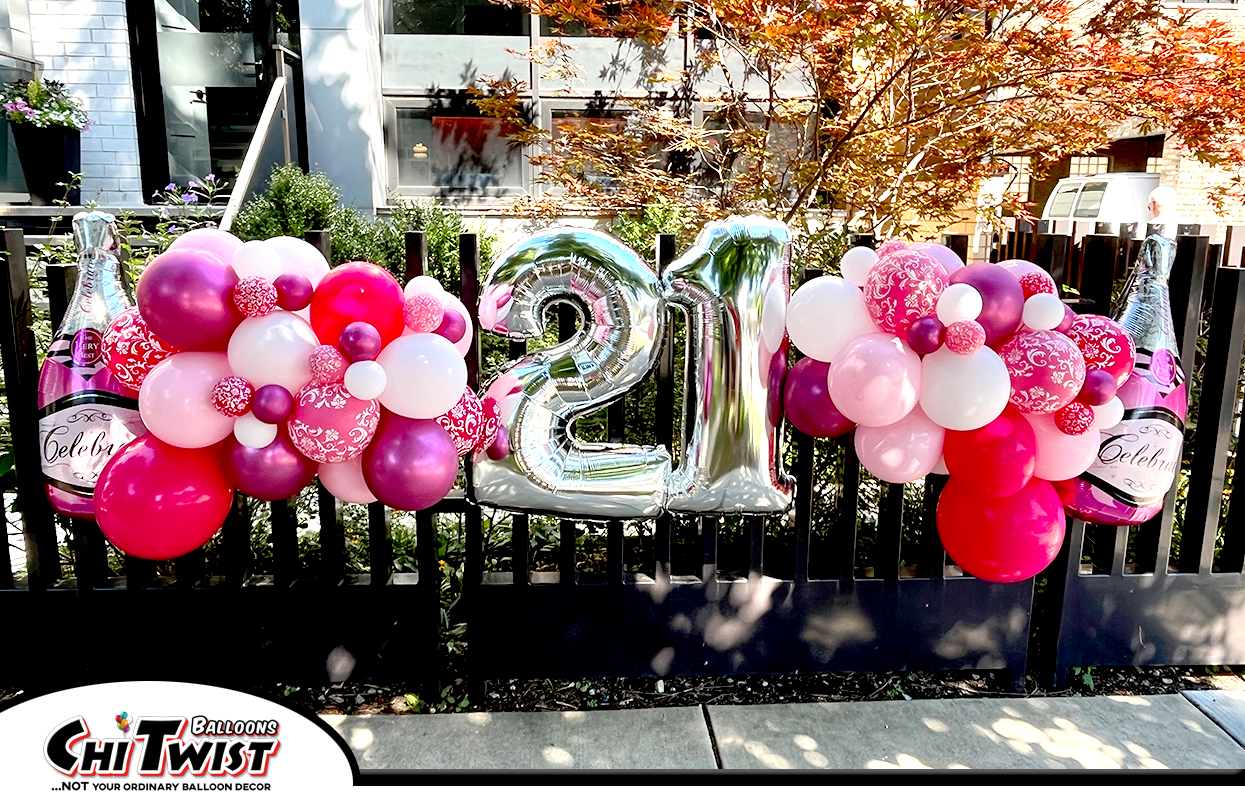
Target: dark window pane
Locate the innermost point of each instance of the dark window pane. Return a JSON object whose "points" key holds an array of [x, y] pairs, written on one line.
{"points": [[1090, 200], [442, 17], [468, 155]]}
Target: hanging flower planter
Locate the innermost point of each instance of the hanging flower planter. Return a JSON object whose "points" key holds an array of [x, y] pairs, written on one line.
{"points": [[47, 129]]}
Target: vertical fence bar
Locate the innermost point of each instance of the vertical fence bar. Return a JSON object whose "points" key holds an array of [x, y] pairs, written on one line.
{"points": [[1217, 407], [933, 559], [379, 553], [284, 540], [616, 424], [666, 413], [568, 325], [236, 542], [520, 524], [21, 379], [473, 523], [1098, 271], [756, 546], [416, 248], [1232, 559], [849, 514], [709, 536], [958, 242], [890, 533], [803, 500]]}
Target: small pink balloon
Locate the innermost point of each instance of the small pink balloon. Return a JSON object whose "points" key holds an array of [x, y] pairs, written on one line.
{"points": [[210, 240], [1104, 344], [329, 424], [903, 451], [463, 341], [902, 288], [423, 313], [131, 350], [344, 480], [1046, 369], [327, 364], [875, 380]]}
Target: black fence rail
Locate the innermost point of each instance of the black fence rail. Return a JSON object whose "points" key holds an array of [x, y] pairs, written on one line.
{"points": [[854, 578]]}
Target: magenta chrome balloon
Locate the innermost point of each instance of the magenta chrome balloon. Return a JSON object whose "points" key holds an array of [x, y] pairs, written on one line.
{"points": [[1002, 299], [411, 463], [186, 299], [275, 472]]}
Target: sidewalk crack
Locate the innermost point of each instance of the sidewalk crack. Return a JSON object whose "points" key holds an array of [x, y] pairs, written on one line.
{"points": [[713, 740]]}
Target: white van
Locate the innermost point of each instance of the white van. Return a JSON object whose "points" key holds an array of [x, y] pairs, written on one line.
{"points": [[1111, 198]]}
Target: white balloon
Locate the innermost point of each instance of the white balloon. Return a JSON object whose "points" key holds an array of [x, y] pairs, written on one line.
{"points": [[962, 393], [959, 302], [825, 314], [299, 257], [856, 263], [257, 258], [941, 467], [365, 380], [273, 349], [774, 317], [422, 284], [250, 432], [451, 303], [1109, 414], [426, 375], [1043, 312]]}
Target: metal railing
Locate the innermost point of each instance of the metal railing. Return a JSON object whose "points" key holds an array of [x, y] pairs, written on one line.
{"points": [[254, 151]]}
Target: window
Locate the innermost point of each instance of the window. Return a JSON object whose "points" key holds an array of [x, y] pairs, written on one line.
{"points": [[448, 154], [1088, 165], [464, 17], [1154, 164], [1018, 178], [570, 122], [1061, 205], [1090, 201]]}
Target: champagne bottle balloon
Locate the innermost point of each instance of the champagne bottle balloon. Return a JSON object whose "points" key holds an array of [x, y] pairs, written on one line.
{"points": [[85, 414], [1138, 459]]}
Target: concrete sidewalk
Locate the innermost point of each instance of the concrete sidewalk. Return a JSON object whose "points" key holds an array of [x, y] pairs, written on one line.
{"points": [[1192, 730]]}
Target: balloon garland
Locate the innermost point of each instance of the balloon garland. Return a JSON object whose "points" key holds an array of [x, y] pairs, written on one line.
{"points": [[257, 367], [981, 368]]}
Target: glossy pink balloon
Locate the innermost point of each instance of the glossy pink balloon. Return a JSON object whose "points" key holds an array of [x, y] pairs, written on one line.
{"points": [[329, 424], [176, 404], [275, 472], [209, 240], [901, 452], [875, 380], [411, 464], [157, 501], [353, 292], [1004, 539], [344, 480], [1002, 299], [186, 298], [997, 459], [807, 403]]}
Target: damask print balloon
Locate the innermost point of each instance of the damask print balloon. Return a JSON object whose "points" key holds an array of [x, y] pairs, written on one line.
{"points": [[131, 350], [1105, 345], [1046, 369], [903, 287], [464, 422], [329, 425]]}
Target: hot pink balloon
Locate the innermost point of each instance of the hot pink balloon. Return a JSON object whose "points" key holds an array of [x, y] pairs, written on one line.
{"points": [[186, 298], [275, 472], [176, 403], [901, 452], [1005, 539], [209, 240], [1046, 369], [464, 422], [329, 424], [411, 464], [344, 480], [131, 350], [902, 288], [875, 380]]}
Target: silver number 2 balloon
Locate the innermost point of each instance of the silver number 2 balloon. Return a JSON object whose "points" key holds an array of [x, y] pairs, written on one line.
{"points": [[733, 284], [540, 395]]}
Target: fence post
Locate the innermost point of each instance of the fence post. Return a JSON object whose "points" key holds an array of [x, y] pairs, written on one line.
{"points": [[958, 242], [21, 379], [665, 251]]}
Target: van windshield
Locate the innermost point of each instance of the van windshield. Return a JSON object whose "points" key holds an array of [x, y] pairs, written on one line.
{"points": [[1090, 201], [1061, 204]]}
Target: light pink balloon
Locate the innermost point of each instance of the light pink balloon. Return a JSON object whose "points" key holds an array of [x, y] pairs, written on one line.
{"points": [[299, 257], [1018, 266], [212, 240], [875, 380], [1061, 457], [175, 400], [941, 253], [904, 451], [344, 480]]}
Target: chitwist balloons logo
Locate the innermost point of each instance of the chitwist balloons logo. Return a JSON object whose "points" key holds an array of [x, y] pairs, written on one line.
{"points": [[158, 739]]}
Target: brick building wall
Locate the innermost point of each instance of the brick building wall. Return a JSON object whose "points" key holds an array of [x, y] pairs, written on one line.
{"points": [[86, 45]]}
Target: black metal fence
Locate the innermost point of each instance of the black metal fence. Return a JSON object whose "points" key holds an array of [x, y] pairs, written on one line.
{"points": [[853, 579]]}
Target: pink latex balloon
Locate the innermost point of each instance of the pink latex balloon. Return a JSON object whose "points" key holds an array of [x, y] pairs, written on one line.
{"points": [[464, 422], [901, 452], [875, 380], [353, 292], [462, 343], [807, 403], [157, 501], [329, 424], [210, 240], [1019, 266], [1004, 539], [131, 350], [1046, 369], [902, 288], [941, 253], [1059, 456], [344, 480], [275, 472], [186, 298], [1104, 344], [176, 404], [996, 459], [1002, 299]]}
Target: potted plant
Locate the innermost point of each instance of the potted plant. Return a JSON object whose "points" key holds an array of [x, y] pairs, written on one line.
{"points": [[47, 124]]}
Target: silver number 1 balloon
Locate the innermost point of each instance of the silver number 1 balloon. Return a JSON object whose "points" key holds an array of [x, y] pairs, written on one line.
{"points": [[622, 319], [733, 284]]}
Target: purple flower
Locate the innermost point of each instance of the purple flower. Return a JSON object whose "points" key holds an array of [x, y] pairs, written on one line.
{"points": [[190, 197], [170, 187], [10, 106], [193, 184], [173, 228], [211, 176]]}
